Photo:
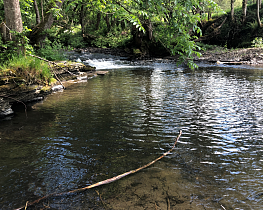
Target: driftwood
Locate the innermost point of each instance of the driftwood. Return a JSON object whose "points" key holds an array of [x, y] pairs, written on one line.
{"points": [[229, 62], [107, 181]]}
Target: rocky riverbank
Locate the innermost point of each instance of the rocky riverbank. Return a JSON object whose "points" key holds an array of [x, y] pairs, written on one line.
{"points": [[248, 56], [14, 89]]}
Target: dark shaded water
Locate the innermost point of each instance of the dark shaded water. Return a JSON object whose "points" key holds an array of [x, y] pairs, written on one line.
{"points": [[119, 122]]}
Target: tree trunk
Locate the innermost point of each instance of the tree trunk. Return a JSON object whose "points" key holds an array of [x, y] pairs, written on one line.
{"points": [[13, 17], [149, 29], [37, 35], [232, 10], [113, 21], [98, 21], [209, 15], [13, 23], [3, 32], [81, 19], [258, 16], [37, 12], [42, 9], [107, 22], [244, 9]]}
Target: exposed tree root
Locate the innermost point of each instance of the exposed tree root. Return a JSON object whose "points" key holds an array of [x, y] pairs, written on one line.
{"points": [[107, 181]]}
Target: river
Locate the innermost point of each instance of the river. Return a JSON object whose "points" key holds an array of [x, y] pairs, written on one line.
{"points": [[112, 124]]}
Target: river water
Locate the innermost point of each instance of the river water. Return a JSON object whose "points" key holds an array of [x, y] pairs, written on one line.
{"points": [[112, 124]]}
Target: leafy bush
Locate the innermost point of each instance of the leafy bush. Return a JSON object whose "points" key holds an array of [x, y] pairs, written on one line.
{"points": [[113, 39], [52, 51], [10, 49], [71, 39], [257, 42]]}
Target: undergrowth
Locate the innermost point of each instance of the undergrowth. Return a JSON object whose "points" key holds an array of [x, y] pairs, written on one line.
{"points": [[30, 70], [52, 51], [236, 34]]}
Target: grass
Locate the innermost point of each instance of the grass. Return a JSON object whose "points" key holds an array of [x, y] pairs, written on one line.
{"points": [[32, 70]]}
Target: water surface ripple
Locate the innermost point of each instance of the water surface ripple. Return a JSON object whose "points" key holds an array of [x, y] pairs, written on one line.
{"points": [[119, 122]]}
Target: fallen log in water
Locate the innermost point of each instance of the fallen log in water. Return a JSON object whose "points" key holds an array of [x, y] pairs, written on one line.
{"points": [[107, 181], [229, 62]]}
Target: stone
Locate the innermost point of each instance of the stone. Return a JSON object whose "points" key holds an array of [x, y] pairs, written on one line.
{"points": [[5, 108], [87, 68]]}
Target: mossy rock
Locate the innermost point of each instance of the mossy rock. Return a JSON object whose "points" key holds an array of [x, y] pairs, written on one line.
{"points": [[52, 81], [8, 72], [45, 89]]}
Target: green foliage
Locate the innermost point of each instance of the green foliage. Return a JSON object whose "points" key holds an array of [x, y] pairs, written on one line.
{"points": [[32, 70], [72, 39], [174, 24], [14, 48], [225, 4], [237, 34], [175, 35], [75, 41], [52, 51], [253, 25], [257, 42], [2, 13], [205, 47], [113, 39]]}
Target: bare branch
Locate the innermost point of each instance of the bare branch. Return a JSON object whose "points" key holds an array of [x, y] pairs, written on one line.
{"points": [[107, 181]]}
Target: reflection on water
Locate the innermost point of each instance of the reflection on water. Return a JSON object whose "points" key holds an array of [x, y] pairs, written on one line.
{"points": [[112, 124]]}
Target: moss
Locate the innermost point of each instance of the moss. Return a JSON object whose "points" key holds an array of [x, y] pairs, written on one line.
{"points": [[31, 87], [45, 89], [8, 72], [52, 81], [136, 51]]}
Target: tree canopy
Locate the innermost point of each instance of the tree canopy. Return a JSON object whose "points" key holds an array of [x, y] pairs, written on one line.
{"points": [[173, 24]]}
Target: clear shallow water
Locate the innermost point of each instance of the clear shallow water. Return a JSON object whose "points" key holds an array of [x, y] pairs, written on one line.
{"points": [[119, 122]]}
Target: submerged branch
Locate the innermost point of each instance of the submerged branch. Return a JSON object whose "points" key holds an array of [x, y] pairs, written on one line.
{"points": [[107, 181]]}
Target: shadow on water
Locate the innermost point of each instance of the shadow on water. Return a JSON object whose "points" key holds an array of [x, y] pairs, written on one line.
{"points": [[121, 121]]}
